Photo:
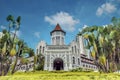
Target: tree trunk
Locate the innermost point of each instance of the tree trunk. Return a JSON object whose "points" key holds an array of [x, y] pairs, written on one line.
{"points": [[14, 35], [14, 65]]}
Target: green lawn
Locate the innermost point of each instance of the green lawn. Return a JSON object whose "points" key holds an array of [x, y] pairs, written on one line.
{"points": [[44, 75]]}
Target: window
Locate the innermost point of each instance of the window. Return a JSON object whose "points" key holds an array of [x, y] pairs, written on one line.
{"points": [[43, 49], [62, 40], [58, 40], [37, 51], [78, 61], [75, 50], [57, 33], [73, 60], [83, 65], [40, 49], [72, 50], [53, 40]]}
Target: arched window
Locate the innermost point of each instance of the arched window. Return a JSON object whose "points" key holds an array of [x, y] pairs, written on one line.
{"points": [[78, 61], [40, 49], [37, 51], [53, 40], [73, 60], [83, 65], [62, 40], [72, 50], [57, 40], [75, 49], [43, 50]]}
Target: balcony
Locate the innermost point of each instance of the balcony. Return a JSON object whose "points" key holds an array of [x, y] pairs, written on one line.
{"points": [[57, 47]]}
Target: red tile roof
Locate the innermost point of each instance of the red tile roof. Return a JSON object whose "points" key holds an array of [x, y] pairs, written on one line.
{"points": [[58, 28]]}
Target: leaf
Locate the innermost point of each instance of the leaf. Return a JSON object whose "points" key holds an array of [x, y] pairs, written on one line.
{"points": [[93, 54], [10, 18], [102, 60], [18, 20], [85, 36], [13, 52], [101, 40], [4, 48], [112, 34], [95, 47]]}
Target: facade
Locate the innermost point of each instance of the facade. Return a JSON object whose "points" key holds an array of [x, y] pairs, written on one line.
{"points": [[59, 56]]}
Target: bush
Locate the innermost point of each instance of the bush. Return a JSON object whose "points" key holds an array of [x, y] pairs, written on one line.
{"points": [[39, 67], [81, 70], [77, 70]]}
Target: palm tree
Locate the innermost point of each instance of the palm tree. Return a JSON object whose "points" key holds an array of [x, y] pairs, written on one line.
{"points": [[11, 47], [31, 52], [104, 44], [10, 19], [16, 26]]}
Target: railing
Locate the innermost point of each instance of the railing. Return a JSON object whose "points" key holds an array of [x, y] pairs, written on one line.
{"points": [[57, 47]]}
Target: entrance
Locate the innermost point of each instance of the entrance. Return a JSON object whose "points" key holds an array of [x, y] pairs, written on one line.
{"points": [[58, 64]]}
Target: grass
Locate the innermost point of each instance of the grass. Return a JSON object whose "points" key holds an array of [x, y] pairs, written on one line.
{"points": [[61, 75]]}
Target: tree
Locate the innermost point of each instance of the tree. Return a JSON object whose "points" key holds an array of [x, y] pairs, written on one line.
{"points": [[11, 47], [104, 44]]}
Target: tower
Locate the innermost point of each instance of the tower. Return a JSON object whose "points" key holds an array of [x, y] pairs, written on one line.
{"points": [[57, 36]]}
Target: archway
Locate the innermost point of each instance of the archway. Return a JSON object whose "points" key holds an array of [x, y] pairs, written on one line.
{"points": [[58, 64]]}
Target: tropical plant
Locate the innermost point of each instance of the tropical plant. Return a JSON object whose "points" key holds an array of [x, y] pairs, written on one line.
{"points": [[104, 44], [11, 47]]}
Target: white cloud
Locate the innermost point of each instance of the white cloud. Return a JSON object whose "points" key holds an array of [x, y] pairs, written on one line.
{"points": [[37, 34], [79, 29], [66, 21], [3, 27], [18, 33], [105, 9], [84, 26]]}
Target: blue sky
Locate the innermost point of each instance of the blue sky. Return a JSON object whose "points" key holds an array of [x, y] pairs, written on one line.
{"points": [[39, 17]]}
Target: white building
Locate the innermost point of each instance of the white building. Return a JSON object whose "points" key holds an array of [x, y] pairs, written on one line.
{"points": [[59, 56]]}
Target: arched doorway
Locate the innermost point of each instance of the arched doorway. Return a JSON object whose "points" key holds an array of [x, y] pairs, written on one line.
{"points": [[58, 64]]}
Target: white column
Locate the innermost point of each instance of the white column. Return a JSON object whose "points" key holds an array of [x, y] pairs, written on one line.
{"points": [[70, 61], [50, 66], [80, 61], [81, 45], [60, 40], [65, 68], [51, 40], [63, 40], [45, 65], [55, 40]]}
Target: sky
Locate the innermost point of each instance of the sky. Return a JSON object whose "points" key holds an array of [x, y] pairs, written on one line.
{"points": [[39, 17]]}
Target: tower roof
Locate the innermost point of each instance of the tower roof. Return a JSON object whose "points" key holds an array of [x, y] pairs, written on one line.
{"points": [[57, 28]]}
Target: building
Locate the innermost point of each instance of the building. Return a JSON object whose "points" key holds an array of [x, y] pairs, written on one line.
{"points": [[59, 56]]}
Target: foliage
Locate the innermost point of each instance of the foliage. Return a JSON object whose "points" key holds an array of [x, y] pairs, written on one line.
{"points": [[40, 62], [81, 70], [11, 47], [104, 45], [76, 70]]}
